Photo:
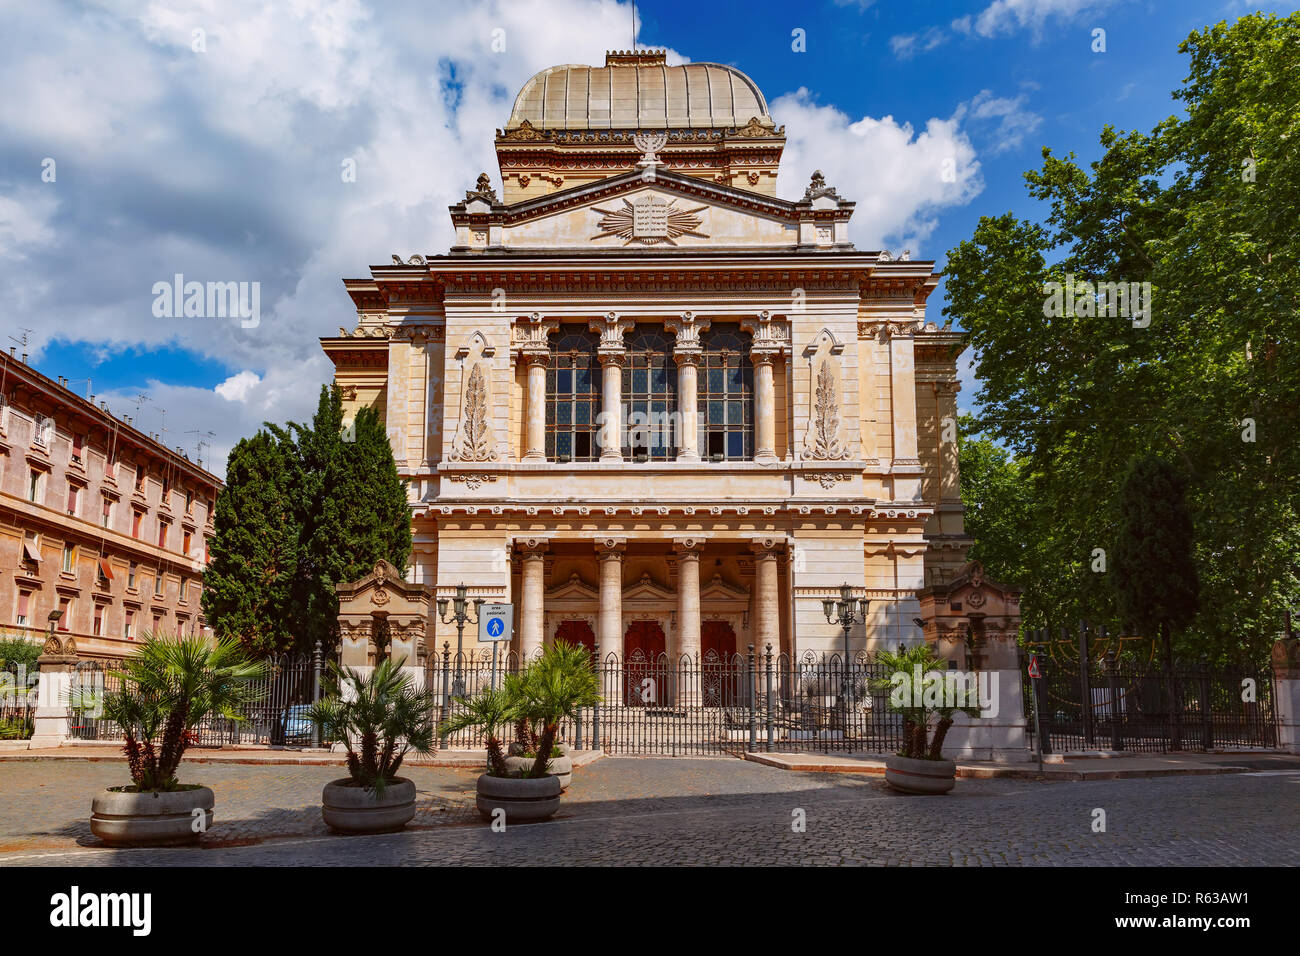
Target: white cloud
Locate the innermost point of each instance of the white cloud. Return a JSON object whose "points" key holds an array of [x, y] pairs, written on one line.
{"points": [[237, 387], [225, 165], [908, 45], [1014, 122], [899, 177], [25, 220], [1007, 16]]}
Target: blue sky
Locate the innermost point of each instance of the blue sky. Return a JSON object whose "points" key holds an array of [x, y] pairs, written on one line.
{"points": [[219, 158]]}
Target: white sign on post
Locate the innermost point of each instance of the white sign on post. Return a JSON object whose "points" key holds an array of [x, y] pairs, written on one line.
{"points": [[495, 622]]}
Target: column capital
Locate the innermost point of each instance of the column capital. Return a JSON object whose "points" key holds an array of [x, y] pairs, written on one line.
{"points": [[530, 546], [610, 547], [611, 328], [687, 327], [686, 548], [768, 546], [530, 334], [771, 336]]}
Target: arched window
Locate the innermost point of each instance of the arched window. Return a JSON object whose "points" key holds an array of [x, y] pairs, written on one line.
{"points": [[649, 395], [726, 394], [572, 396]]}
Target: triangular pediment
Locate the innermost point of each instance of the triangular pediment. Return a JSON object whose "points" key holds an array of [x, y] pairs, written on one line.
{"points": [[667, 213], [574, 589], [717, 591], [647, 590]]}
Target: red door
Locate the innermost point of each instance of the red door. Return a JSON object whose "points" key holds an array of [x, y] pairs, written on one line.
{"points": [[720, 673], [643, 645], [718, 638], [577, 633]]}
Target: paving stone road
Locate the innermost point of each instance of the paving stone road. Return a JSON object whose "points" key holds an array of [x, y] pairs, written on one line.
{"points": [[633, 811]]}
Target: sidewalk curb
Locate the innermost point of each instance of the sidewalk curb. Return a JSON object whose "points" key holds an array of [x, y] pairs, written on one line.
{"points": [[456, 760], [995, 772]]}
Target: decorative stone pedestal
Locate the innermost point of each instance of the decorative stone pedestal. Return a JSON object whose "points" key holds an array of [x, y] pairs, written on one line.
{"points": [[58, 663], [1286, 671]]}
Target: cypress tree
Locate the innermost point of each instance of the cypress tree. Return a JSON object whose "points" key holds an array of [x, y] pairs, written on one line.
{"points": [[328, 495], [255, 550]]}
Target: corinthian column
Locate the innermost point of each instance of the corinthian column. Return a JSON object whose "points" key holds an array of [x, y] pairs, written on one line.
{"points": [[531, 342], [687, 327], [532, 612], [613, 355], [769, 342], [609, 622]]}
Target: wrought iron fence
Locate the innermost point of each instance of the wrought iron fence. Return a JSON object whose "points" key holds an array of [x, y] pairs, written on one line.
{"points": [[706, 705], [277, 717], [1124, 699]]}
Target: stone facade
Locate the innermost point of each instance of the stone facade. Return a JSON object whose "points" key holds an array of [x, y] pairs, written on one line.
{"points": [[97, 519], [656, 406]]}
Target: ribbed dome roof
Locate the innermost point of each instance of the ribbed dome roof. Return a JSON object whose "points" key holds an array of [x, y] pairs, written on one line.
{"points": [[639, 91]]}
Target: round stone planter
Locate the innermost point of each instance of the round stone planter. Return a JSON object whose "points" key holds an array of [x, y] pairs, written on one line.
{"points": [[909, 775], [522, 798], [348, 808], [561, 767], [122, 818]]}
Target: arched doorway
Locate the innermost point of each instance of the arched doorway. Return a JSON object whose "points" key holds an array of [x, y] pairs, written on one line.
{"points": [[579, 634], [720, 678], [644, 681]]}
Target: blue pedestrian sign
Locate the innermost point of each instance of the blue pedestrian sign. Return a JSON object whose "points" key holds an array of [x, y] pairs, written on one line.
{"points": [[494, 622]]}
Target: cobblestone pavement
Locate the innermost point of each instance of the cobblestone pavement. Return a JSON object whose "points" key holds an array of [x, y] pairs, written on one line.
{"points": [[633, 811]]}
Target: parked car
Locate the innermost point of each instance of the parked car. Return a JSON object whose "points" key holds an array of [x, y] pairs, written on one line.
{"points": [[298, 728]]}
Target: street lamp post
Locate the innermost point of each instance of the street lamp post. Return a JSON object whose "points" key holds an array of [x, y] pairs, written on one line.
{"points": [[846, 612], [461, 617]]}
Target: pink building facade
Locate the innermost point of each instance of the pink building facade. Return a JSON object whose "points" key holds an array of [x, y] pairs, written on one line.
{"points": [[98, 520]]}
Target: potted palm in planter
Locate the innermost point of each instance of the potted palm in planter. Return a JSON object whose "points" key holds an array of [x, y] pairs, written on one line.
{"points": [[549, 689], [379, 719], [168, 688], [920, 690]]}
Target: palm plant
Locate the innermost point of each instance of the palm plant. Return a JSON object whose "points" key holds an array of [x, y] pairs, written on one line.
{"points": [[491, 710], [555, 686], [168, 688], [379, 718], [914, 693]]}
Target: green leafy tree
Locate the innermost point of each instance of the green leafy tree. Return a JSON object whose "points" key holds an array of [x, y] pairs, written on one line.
{"points": [[1203, 208], [1155, 572]]}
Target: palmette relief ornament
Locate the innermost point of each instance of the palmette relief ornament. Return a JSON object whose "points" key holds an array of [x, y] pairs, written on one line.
{"points": [[823, 440], [475, 441]]}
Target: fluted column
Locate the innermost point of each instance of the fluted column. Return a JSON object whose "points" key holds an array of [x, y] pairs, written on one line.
{"points": [[613, 355], [609, 621], [532, 612], [687, 327], [767, 602]]}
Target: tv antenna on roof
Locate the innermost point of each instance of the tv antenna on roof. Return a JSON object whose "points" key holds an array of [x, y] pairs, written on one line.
{"points": [[22, 339], [201, 442]]}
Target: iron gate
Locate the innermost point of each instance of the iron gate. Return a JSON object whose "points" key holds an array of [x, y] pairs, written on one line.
{"points": [[707, 705], [1116, 696]]}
